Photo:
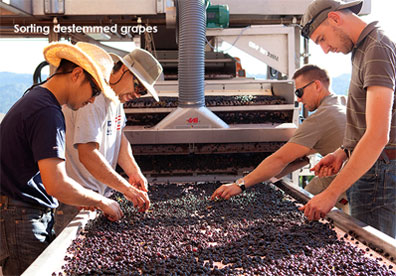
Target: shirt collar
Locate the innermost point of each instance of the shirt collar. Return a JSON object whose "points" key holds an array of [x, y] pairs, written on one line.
{"points": [[366, 31], [325, 98]]}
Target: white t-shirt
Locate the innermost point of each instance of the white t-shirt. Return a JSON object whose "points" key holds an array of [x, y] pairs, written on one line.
{"points": [[101, 122]]}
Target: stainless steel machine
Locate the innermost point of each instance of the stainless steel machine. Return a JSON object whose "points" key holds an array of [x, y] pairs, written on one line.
{"points": [[213, 123]]}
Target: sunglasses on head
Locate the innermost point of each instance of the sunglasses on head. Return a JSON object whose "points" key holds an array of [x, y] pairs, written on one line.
{"points": [[300, 91], [138, 87], [95, 89], [307, 28]]}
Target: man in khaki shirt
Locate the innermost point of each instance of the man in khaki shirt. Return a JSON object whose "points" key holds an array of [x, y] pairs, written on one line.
{"points": [[322, 132]]}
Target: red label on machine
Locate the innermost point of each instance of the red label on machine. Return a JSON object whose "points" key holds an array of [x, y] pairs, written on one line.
{"points": [[193, 120]]}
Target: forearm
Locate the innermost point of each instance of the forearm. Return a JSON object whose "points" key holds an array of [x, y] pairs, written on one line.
{"points": [[359, 163], [126, 159], [72, 193], [275, 163], [378, 117], [268, 168], [101, 170], [64, 188]]}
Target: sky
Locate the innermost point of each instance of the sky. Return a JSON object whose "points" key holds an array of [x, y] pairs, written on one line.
{"points": [[24, 55]]}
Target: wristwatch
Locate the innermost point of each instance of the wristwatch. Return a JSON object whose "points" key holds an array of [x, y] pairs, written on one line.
{"points": [[345, 150], [241, 184]]}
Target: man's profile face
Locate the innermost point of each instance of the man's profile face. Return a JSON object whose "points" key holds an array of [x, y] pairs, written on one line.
{"points": [[85, 93], [308, 99], [125, 88], [332, 38]]}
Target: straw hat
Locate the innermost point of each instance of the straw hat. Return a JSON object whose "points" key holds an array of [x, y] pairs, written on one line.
{"points": [[91, 58], [143, 66]]}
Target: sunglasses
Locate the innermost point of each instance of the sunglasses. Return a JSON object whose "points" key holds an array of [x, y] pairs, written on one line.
{"points": [[138, 86], [307, 28], [95, 89], [300, 91]]}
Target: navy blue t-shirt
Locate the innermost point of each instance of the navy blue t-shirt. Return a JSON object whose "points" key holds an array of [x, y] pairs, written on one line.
{"points": [[32, 130]]}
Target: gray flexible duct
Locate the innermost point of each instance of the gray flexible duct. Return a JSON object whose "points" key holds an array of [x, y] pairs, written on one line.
{"points": [[191, 69]]}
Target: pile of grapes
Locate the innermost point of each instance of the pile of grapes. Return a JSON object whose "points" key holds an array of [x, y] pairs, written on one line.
{"points": [[260, 232], [149, 102]]}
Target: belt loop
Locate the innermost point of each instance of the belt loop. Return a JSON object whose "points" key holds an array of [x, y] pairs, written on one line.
{"points": [[385, 157]]}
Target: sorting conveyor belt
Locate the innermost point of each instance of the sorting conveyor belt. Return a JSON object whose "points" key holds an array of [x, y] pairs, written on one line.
{"points": [[52, 259]]}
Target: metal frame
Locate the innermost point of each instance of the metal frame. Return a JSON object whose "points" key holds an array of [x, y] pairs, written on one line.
{"points": [[277, 46], [277, 7], [250, 7], [233, 134]]}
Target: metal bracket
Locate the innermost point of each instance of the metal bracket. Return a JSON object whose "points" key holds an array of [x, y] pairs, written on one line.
{"points": [[54, 6]]}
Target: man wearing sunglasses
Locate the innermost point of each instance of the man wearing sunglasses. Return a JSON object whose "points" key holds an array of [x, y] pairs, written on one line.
{"points": [[369, 145], [322, 132], [95, 142], [32, 154]]}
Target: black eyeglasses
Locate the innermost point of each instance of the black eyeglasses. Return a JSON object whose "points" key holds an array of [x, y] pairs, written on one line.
{"points": [[307, 28], [138, 86], [300, 91], [95, 89]]}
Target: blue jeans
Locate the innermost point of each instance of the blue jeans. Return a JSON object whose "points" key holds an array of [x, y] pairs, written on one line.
{"points": [[24, 234], [372, 198]]}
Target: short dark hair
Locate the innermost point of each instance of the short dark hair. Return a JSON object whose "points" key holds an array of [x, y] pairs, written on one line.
{"points": [[65, 66], [312, 72], [117, 66]]}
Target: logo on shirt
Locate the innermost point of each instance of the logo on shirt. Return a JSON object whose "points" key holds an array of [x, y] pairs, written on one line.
{"points": [[117, 125], [109, 129], [118, 122]]}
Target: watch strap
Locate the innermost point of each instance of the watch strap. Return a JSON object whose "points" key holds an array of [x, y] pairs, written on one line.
{"points": [[345, 150], [241, 184]]}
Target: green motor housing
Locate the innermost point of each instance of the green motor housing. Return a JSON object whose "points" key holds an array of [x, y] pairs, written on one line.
{"points": [[217, 16]]}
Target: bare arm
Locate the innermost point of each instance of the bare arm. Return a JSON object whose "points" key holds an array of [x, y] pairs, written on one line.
{"points": [[378, 119], [98, 166], [270, 167], [129, 165], [65, 189], [276, 162]]}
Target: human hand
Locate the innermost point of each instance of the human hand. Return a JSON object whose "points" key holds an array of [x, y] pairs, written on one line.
{"points": [[226, 191], [139, 198], [319, 206], [89, 208], [111, 209], [328, 165], [138, 181]]}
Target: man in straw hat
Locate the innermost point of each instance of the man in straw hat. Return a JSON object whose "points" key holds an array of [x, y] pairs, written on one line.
{"points": [[32, 154], [369, 144], [95, 142]]}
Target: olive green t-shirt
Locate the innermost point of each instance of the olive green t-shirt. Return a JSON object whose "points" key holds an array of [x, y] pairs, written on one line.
{"points": [[373, 64], [323, 130]]}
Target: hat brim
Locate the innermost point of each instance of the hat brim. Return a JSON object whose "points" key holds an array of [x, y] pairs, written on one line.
{"points": [[57, 51], [354, 6], [150, 88]]}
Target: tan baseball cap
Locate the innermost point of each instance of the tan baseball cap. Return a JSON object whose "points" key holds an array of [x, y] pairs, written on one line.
{"points": [[318, 10], [144, 66]]}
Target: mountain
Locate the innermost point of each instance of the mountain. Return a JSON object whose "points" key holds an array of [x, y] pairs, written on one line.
{"points": [[340, 84], [12, 86]]}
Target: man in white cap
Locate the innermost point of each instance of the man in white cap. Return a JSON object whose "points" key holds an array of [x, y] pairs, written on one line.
{"points": [[32, 154], [95, 142], [369, 144]]}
